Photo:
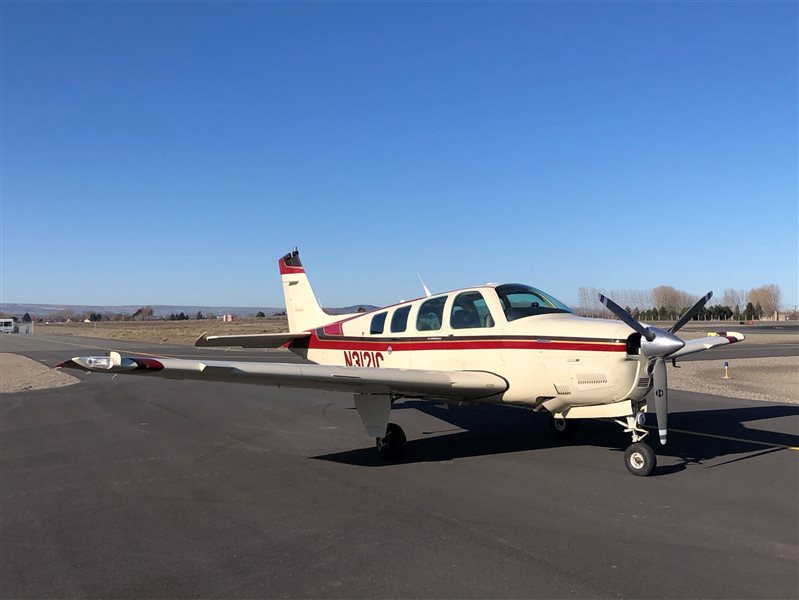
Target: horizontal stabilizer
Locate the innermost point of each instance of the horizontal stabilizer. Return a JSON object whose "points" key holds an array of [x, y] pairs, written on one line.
{"points": [[255, 340]]}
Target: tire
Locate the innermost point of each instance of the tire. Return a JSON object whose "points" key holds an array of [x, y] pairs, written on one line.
{"points": [[640, 459], [391, 447], [562, 429]]}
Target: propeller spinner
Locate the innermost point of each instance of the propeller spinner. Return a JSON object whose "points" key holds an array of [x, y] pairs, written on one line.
{"points": [[658, 344]]}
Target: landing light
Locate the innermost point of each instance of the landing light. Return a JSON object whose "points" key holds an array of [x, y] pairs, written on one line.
{"points": [[99, 362]]}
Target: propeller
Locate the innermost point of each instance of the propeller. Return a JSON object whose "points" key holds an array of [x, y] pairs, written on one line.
{"points": [[658, 344]]}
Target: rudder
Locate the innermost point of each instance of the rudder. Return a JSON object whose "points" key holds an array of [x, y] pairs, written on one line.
{"points": [[302, 307]]}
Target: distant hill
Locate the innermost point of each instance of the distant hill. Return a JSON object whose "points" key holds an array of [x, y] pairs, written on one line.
{"points": [[349, 309], [159, 310]]}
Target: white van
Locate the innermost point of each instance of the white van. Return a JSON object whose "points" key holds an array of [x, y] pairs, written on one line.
{"points": [[6, 325]]}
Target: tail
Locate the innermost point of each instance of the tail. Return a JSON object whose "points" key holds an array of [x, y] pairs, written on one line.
{"points": [[302, 307]]}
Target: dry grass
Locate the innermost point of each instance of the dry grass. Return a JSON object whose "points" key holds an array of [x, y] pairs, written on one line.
{"points": [[21, 374], [774, 379], [163, 332]]}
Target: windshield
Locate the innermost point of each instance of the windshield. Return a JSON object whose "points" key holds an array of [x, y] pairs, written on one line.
{"points": [[520, 301]]}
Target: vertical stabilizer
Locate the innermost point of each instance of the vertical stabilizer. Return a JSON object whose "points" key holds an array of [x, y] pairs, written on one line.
{"points": [[302, 307]]}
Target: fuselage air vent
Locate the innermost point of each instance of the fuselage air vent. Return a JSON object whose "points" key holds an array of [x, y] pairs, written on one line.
{"points": [[591, 378]]}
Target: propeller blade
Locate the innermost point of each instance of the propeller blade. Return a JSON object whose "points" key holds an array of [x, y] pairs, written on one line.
{"points": [[626, 317], [660, 389], [691, 312]]}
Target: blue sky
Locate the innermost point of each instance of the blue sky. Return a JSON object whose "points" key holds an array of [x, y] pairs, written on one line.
{"points": [[170, 152]]}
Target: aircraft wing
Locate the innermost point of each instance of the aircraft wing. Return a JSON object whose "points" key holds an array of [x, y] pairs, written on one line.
{"points": [[706, 343], [465, 385], [256, 340]]}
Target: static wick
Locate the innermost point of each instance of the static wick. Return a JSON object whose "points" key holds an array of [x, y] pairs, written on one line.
{"points": [[726, 370]]}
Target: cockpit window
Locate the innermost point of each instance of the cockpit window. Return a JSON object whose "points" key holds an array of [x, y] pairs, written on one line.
{"points": [[520, 301], [431, 314], [469, 310]]}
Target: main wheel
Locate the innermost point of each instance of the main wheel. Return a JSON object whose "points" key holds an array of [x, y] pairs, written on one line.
{"points": [[563, 429], [640, 459], [391, 447]]}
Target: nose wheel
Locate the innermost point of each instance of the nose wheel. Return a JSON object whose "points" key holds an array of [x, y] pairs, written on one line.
{"points": [[391, 447], [640, 459]]}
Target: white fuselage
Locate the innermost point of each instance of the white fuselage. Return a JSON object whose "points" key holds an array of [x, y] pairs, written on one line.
{"points": [[556, 360]]}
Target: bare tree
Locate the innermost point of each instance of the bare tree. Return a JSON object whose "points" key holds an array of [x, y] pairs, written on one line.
{"points": [[145, 313], [582, 300], [667, 300], [769, 297], [590, 306], [734, 298]]}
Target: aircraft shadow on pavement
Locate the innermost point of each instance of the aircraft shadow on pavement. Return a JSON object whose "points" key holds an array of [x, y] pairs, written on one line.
{"points": [[491, 430]]}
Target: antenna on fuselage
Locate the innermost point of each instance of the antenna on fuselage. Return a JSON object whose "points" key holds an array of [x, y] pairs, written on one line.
{"points": [[426, 291]]}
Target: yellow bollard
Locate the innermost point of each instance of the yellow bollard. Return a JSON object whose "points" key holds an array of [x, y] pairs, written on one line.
{"points": [[726, 370]]}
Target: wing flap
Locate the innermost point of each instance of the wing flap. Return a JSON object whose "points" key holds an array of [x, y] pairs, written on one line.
{"points": [[466, 385], [255, 340], [721, 338]]}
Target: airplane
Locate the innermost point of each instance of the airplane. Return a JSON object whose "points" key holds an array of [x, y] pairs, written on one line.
{"points": [[506, 344]]}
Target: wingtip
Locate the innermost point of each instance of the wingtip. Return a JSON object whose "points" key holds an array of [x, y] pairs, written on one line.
{"points": [[732, 336], [200, 341], [68, 364]]}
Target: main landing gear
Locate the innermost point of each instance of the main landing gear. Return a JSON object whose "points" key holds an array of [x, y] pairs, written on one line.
{"points": [[562, 429], [639, 458], [391, 446]]}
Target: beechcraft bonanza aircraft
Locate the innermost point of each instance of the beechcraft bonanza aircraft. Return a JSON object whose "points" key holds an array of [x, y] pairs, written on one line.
{"points": [[496, 344]]}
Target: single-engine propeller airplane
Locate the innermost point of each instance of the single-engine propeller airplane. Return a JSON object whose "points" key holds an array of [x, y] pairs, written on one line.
{"points": [[506, 344]]}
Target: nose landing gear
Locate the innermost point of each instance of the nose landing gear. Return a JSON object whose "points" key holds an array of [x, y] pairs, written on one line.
{"points": [[639, 458]]}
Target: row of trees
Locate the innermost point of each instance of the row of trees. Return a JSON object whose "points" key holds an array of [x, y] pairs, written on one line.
{"points": [[145, 313], [717, 312], [181, 316], [668, 303]]}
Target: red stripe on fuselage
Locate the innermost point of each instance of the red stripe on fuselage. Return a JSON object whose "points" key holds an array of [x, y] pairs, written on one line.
{"points": [[314, 343]]}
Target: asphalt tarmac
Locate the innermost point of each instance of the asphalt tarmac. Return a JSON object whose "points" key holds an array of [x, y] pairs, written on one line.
{"points": [[130, 487], [749, 348]]}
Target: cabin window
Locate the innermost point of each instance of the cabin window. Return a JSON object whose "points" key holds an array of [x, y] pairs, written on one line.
{"points": [[431, 314], [378, 324], [470, 311], [399, 320], [520, 301]]}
